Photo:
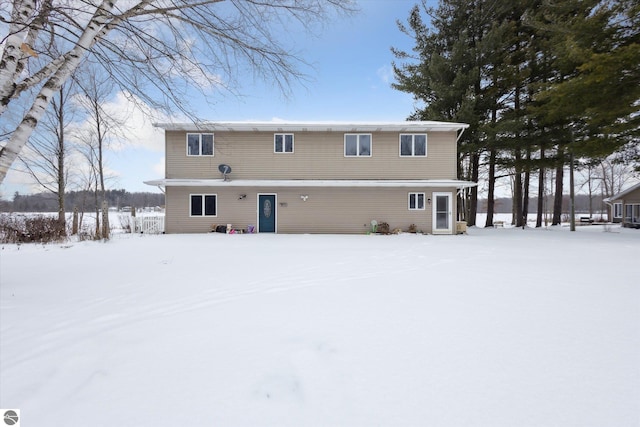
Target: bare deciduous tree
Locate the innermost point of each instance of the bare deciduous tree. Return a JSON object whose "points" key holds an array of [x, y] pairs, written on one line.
{"points": [[154, 49], [100, 127], [45, 158]]}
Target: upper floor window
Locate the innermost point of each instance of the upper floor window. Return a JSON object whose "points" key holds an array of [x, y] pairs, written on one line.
{"points": [[203, 205], [199, 144], [416, 201], [357, 145], [413, 145], [617, 210], [283, 143]]}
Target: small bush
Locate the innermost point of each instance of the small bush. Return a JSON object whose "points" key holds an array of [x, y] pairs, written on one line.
{"points": [[31, 229], [383, 228]]}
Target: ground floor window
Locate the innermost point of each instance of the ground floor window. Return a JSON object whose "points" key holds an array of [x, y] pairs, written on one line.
{"points": [[416, 201], [635, 213], [628, 212], [203, 205], [617, 210]]}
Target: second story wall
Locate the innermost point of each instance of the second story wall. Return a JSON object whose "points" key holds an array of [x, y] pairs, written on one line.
{"points": [[316, 155]]}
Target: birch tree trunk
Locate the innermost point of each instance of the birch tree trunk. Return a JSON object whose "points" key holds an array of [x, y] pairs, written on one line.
{"points": [[9, 153], [171, 45]]}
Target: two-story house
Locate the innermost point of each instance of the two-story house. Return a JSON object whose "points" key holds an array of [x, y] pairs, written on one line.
{"points": [[329, 177]]}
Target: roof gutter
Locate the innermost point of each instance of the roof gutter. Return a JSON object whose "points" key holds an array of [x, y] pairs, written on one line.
{"points": [[346, 183], [460, 134]]}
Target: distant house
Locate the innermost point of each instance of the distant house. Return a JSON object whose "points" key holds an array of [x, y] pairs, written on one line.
{"points": [[625, 207], [329, 177]]}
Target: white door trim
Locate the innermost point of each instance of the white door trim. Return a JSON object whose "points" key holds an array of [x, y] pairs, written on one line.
{"points": [[449, 213]]}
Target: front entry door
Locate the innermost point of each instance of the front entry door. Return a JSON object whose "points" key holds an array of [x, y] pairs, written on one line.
{"points": [[266, 213], [442, 223]]}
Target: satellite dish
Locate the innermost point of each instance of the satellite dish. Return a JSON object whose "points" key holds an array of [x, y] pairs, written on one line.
{"points": [[224, 169]]}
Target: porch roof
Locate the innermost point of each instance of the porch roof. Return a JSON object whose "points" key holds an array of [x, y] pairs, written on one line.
{"points": [[275, 183]]}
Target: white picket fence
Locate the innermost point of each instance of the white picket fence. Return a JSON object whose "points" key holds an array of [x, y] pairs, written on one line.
{"points": [[149, 224]]}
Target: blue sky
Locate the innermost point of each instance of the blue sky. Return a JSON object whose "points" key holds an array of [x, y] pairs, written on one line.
{"points": [[350, 79]]}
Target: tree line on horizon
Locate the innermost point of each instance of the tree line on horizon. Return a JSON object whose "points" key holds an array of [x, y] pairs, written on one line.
{"points": [[545, 85], [83, 200]]}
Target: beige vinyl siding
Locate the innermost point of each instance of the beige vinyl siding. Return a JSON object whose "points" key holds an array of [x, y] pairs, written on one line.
{"points": [[632, 197], [317, 155], [327, 210]]}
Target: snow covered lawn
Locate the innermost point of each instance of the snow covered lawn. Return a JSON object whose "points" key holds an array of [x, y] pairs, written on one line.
{"points": [[501, 327]]}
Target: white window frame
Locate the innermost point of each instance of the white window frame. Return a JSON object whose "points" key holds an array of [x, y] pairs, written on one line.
{"points": [[417, 207], [358, 135], [617, 210], [203, 197], [284, 143], [200, 135], [413, 144]]}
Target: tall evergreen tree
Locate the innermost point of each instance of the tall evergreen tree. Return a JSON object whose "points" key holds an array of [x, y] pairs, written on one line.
{"points": [[447, 72], [596, 89], [538, 81]]}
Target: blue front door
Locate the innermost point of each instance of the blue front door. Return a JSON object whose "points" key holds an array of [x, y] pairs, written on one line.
{"points": [[267, 213]]}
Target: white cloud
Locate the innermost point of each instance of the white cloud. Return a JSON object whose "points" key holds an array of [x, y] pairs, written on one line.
{"points": [[385, 74], [158, 168], [137, 130], [134, 124]]}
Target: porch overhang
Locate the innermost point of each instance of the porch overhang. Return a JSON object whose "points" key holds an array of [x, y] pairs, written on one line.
{"points": [[332, 183]]}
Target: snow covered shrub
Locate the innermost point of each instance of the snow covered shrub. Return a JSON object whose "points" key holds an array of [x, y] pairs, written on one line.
{"points": [[9, 229], [31, 229]]}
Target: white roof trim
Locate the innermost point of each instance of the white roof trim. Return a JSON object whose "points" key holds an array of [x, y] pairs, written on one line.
{"points": [[230, 126], [435, 183]]}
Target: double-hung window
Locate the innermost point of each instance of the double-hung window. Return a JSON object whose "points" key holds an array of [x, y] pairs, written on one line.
{"points": [[617, 210], [413, 145], [203, 205], [199, 144], [357, 145], [283, 143], [416, 201]]}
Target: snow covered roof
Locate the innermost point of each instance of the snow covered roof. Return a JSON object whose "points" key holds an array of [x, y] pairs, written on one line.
{"points": [[275, 126], [436, 183], [622, 193]]}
